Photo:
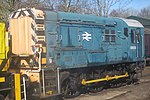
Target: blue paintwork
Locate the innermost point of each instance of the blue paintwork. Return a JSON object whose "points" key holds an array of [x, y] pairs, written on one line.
{"points": [[67, 48]]}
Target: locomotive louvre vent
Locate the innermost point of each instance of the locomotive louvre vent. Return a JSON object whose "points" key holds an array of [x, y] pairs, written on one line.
{"points": [[39, 21], [40, 27], [40, 16], [40, 38]]}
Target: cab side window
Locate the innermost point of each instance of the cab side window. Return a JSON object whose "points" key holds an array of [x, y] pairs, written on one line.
{"points": [[113, 36], [107, 35], [126, 32], [132, 36], [138, 35], [110, 35]]}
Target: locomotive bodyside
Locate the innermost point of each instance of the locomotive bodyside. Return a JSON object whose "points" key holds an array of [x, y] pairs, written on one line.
{"points": [[75, 40]]}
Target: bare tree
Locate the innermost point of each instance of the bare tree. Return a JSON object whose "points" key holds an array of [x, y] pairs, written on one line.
{"points": [[67, 5], [49, 4], [86, 7], [99, 3], [145, 12], [97, 7], [6, 7], [104, 6], [123, 12], [31, 3]]}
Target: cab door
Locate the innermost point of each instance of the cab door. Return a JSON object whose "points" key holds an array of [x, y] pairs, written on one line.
{"points": [[139, 43], [133, 44], [136, 44]]}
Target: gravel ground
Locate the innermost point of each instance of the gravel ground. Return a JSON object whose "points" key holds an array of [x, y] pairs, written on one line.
{"points": [[139, 91]]}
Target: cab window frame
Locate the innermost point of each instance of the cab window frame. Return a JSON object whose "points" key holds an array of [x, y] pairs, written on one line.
{"points": [[110, 35]]}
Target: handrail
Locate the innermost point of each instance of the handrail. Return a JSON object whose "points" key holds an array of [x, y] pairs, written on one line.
{"points": [[39, 69]]}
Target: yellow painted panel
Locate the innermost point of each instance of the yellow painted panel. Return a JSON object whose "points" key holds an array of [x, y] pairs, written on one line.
{"points": [[7, 44], [43, 60], [44, 49], [17, 87], [2, 79], [7, 65], [1, 62], [2, 40]]}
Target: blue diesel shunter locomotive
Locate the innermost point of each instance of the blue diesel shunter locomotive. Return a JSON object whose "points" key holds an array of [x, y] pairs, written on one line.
{"points": [[87, 48], [90, 52]]}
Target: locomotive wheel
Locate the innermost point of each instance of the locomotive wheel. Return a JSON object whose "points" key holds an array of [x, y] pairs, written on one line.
{"points": [[100, 88], [69, 89], [96, 89]]}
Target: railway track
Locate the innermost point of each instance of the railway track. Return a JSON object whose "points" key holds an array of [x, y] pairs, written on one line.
{"points": [[109, 94], [142, 80], [122, 93], [117, 95]]}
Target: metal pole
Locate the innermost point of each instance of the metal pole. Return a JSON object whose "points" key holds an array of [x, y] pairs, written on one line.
{"points": [[43, 82], [58, 78], [137, 46], [24, 87]]}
